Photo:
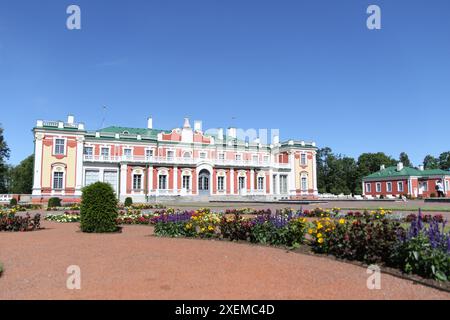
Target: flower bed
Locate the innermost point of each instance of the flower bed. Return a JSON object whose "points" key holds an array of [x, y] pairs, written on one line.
{"points": [[278, 229], [13, 223], [68, 216]]}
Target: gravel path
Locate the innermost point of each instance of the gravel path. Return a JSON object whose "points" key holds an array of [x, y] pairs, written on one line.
{"points": [[137, 265]]}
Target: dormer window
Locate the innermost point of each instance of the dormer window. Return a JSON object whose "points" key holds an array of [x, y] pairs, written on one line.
{"points": [[126, 132]]}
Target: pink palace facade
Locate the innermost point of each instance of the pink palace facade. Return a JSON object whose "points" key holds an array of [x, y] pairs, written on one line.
{"points": [[184, 163]]}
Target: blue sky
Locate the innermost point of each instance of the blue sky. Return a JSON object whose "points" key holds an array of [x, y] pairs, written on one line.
{"points": [[310, 68]]}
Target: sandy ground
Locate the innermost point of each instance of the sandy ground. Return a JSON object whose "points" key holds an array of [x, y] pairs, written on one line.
{"points": [[135, 264]]}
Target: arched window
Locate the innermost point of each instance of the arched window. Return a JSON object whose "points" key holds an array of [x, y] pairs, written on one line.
{"points": [[304, 182], [58, 177]]}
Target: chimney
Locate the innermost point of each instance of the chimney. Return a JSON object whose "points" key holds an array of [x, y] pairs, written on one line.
{"points": [[186, 123], [400, 166], [232, 133], [257, 141], [382, 167], [197, 125], [70, 119], [220, 133], [421, 167], [149, 123]]}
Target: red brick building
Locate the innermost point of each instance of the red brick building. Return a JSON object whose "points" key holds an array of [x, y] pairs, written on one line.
{"points": [[399, 180]]}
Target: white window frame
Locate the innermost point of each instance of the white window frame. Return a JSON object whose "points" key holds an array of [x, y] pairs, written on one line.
{"points": [[130, 156], [266, 159], [400, 183], [147, 157], [189, 187], [90, 169], [378, 187], [388, 186], [304, 177], [140, 181], [109, 152], [64, 146], [258, 179], [203, 155], [221, 156], [255, 156], [303, 159], [185, 153], [173, 154], [238, 155], [368, 187], [223, 184], [165, 181]]}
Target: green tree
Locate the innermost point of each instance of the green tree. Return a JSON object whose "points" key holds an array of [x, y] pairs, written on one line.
{"points": [[4, 155], [370, 162], [444, 160], [430, 162], [22, 176], [405, 159]]}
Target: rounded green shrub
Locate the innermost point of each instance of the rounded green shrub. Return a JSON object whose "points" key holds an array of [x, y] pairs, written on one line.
{"points": [[98, 210], [54, 202], [13, 202], [128, 202]]}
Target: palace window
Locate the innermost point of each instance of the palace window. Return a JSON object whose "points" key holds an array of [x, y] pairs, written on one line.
{"points": [[260, 183], [90, 177], [186, 182], [378, 187], [187, 155], [149, 153], [137, 181], [255, 158], [274, 183], [88, 152], [283, 184], [169, 155], [220, 183], [303, 159], [400, 186], [304, 183], [162, 182], [368, 187], [389, 186], [266, 159], [241, 183], [104, 152], [60, 146], [238, 157], [58, 180], [127, 153], [202, 155], [111, 177]]}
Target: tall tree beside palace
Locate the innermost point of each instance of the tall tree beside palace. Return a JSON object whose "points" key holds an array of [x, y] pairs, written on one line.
{"points": [[4, 155], [22, 177], [405, 159]]}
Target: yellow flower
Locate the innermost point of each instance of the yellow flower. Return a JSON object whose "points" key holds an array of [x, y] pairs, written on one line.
{"points": [[210, 228], [310, 231], [320, 240], [319, 226], [319, 235], [341, 221]]}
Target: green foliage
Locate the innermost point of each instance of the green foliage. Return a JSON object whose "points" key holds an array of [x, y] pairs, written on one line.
{"points": [[98, 208], [22, 177], [368, 240], [404, 158], [173, 229], [417, 256], [54, 202], [13, 202], [128, 202], [4, 155], [291, 235]]}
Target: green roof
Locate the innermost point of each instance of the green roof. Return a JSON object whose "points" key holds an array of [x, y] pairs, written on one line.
{"points": [[391, 172], [153, 133]]}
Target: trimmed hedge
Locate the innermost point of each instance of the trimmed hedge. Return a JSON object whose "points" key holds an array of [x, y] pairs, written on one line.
{"points": [[98, 210], [54, 202], [128, 202], [13, 202]]}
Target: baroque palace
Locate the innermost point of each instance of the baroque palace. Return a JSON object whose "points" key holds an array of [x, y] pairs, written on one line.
{"points": [[185, 163]]}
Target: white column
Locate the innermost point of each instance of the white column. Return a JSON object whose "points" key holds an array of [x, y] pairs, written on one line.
{"points": [[291, 176], [232, 181], [315, 188], [37, 164], [175, 180], [123, 180], [270, 182], [150, 179], [79, 166], [252, 180]]}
